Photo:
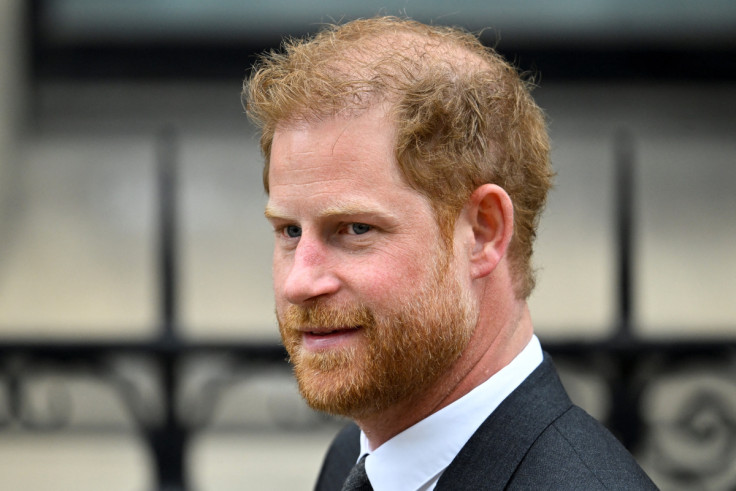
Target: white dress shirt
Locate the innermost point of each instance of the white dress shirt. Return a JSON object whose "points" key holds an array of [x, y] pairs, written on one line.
{"points": [[416, 458]]}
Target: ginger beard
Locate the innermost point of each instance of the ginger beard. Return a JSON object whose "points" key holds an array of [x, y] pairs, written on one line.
{"points": [[403, 349]]}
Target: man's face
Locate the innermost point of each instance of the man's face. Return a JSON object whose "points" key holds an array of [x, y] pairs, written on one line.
{"points": [[369, 303]]}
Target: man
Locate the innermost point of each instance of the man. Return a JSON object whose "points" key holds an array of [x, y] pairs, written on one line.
{"points": [[406, 168]]}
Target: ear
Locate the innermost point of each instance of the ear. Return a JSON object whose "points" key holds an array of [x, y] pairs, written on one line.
{"points": [[491, 214]]}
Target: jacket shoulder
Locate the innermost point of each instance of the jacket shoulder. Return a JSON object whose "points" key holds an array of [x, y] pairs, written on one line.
{"points": [[537, 439], [577, 452]]}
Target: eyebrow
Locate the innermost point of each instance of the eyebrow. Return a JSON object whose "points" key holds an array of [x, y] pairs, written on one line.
{"points": [[272, 213], [345, 209]]}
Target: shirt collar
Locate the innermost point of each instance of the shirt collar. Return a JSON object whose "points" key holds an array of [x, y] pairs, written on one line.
{"points": [[415, 458]]}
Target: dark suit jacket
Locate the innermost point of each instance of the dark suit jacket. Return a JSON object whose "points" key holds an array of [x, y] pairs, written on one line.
{"points": [[536, 439]]}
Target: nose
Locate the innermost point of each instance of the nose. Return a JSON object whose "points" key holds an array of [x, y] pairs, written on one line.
{"points": [[310, 275]]}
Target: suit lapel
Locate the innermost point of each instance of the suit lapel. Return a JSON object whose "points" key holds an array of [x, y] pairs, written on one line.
{"points": [[490, 457]]}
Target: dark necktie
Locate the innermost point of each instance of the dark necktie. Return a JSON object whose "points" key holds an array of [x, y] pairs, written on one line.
{"points": [[357, 479]]}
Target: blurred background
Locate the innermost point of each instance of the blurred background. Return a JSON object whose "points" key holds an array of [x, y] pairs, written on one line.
{"points": [[138, 346]]}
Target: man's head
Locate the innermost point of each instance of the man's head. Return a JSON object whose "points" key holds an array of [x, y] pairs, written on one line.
{"points": [[463, 117], [402, 163]]}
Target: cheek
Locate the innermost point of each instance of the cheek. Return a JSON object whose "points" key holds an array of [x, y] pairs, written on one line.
{"points": [[389, 280]]}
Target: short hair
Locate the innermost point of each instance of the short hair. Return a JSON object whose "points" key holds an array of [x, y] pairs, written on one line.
{"points": [[463, 115]]}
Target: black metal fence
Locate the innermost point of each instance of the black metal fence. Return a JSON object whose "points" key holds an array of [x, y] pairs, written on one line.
{"points": [[628, 366]]}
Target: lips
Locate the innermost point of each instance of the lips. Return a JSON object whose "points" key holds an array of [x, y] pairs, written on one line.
{"points": [[316, 339], [326, 332]]}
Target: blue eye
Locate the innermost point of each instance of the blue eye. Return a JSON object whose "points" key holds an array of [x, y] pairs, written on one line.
{"points": [[293, 231], [359, 228]]}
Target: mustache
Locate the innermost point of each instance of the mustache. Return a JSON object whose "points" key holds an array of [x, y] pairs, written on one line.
{"points": [[318, 315]]}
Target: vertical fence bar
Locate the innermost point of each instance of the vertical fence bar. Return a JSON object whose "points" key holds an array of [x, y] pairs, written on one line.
{"points": [[625, 419], [168, 441], [167, 190], [624, 216]]}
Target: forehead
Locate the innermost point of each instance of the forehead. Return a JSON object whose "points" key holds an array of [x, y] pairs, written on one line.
{"points": [[342, 147], [338, 160]]}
